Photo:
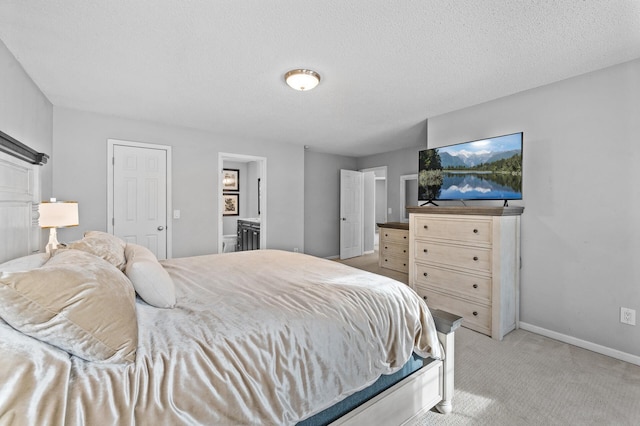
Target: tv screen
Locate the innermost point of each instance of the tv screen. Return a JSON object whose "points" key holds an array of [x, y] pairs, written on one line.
{"points": [[486, 169]]}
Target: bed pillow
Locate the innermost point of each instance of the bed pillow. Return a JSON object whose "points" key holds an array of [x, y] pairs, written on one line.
{"points": [[25, 263], [150, 280], [107, 246], [77, 302]]}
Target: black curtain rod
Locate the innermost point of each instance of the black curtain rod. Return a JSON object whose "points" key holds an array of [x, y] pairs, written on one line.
{"points": [[19, 150]]}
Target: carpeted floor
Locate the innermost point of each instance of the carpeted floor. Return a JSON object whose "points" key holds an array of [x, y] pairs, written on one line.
{"points": [[528, 379]]}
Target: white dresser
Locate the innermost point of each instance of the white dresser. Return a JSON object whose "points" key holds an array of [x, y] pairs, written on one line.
{"points": [[394, 246], [466, 260]]}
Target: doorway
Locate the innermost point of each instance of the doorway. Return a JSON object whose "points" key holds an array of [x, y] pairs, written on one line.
{"points": [[248, 195], [379, 204]]}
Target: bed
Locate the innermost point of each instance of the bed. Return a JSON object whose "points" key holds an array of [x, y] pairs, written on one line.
{"points": [[103, 333]]}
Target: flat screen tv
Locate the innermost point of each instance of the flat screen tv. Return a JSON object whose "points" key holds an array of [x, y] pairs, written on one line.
{"points": [[486, 169]]}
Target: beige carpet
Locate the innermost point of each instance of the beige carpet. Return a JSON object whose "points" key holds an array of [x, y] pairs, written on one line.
{"points": [[528, 379]]}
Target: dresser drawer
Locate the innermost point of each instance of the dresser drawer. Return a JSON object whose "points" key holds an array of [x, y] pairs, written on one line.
{"points": [[475, 316], [473, 258], [454, 229], [395, 263], [467, 286], [395, 249], [394, 236]]}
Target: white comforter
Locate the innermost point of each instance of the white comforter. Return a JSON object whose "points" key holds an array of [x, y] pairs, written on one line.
{"points": [[260, 337]]}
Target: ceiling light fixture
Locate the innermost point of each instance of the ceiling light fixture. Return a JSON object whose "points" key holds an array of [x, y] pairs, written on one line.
{"points": [[302, 79]]}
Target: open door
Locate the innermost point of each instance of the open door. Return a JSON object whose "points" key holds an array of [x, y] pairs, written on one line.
{"points": [[351, 213]]}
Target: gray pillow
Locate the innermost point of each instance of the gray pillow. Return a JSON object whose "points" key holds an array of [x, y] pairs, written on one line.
{"points": [[77, 302]]}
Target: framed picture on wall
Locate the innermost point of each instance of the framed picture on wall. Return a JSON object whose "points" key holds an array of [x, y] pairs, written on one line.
{"points": [[231, 205], [230, 180]]}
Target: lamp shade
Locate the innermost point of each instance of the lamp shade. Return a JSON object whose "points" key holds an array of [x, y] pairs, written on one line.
{"points": [[58, 214]]}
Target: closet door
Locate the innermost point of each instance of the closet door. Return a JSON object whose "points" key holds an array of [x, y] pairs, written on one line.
{"points": [[140, 197], [351, 213]]}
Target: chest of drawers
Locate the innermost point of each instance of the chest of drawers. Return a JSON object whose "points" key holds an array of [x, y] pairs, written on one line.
{"points": [[394, 246], [466, 261]]}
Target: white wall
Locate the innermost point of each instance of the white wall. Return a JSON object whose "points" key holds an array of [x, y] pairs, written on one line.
{"points": [[80, 145]]}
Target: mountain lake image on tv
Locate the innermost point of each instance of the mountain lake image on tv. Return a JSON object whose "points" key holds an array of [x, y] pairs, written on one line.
{"points": [[487, 169]]}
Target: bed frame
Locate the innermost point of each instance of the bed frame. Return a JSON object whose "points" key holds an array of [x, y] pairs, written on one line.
{"points": [[430, 386]]}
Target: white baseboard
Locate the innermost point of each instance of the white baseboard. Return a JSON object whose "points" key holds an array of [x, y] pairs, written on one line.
{"points": [[337, 256], [613, 353]]}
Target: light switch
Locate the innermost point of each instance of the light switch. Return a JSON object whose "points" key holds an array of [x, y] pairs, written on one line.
{"points": [[176, 214]]}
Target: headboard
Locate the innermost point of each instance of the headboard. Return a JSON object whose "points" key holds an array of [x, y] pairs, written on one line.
{"points": [[19, 198]]}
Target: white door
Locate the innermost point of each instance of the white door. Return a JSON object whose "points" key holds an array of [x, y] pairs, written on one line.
{"points": [[351, 213], [140, 197]]}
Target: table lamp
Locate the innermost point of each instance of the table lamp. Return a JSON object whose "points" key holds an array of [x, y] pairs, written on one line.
{"points": [[57, 214]]}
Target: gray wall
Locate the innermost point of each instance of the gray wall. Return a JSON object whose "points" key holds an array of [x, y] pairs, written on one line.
{"points": [[25, 113], [580, 228], [27, 116], [80, 144], [399, 162], [322, 202]]}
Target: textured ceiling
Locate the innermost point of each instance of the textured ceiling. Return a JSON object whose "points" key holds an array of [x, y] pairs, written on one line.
{"points": [[386, 66]]}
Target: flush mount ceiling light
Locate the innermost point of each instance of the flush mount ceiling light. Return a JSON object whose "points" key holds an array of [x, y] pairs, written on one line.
{"points": [[302, 79]]}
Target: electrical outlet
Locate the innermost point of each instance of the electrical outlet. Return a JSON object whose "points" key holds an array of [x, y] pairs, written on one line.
{"points": [[628, 316]]}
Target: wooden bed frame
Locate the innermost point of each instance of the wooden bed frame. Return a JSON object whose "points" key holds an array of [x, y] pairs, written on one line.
{"points": [[430, 386]]}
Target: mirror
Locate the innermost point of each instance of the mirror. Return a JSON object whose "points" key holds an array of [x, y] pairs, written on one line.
{"points": [[408, 195]]}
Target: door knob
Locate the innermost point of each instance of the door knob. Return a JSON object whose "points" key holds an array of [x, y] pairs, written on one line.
{"points": [[160, 228]]}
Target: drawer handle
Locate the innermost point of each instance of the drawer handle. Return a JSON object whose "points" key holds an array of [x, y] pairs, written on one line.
{"points": [[426, 227], [386, 235], [475, 313], [475, 286], [386, 247], [425, 250], [404, 251], [385, 260], [405, 237], [425, 274], [404, 264], [475, 231], [425, 298], [475, 258]]}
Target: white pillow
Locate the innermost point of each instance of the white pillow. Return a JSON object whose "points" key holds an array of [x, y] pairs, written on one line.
{"points": [[152, 283], [25, 263]]}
